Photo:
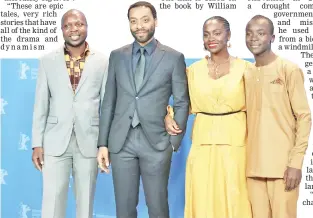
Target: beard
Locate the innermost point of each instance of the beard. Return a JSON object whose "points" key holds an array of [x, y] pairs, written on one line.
{"points": [[146, 38]]}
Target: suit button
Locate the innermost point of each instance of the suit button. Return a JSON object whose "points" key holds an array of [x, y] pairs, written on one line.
{"points": [[137, 97], [130, 117]]}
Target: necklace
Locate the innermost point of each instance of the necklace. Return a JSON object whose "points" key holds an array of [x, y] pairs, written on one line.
{"points": [[216, 66]]}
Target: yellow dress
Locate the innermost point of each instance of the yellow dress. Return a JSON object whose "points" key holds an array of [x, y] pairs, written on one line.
{"points": [[215, 173]]}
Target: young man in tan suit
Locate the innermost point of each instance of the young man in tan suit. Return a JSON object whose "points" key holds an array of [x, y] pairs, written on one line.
{"points": [[279, 123]]}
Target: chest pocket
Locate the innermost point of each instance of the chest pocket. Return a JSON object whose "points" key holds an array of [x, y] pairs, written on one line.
{"points": [[274, 83], [274, 87]]}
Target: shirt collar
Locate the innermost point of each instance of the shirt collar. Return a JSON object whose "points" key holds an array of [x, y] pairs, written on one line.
{"points": [[150, 47], [84, 54]]}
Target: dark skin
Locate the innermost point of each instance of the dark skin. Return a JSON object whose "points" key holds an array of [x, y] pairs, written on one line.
{"points": [[74, 28], [258, 40], [142, 26], [215, 38], [259, 37]]}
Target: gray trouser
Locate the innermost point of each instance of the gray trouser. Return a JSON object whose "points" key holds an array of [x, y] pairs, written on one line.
{"points": [[56, 175], [139, 158]]}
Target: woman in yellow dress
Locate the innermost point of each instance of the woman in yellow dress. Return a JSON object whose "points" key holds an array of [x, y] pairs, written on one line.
{"points": [[215, 173]]}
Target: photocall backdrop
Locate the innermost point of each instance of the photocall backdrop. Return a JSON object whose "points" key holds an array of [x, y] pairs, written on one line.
{"points": [[21, 183]]}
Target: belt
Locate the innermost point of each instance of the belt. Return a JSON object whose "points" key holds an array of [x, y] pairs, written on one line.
{"points": [[221, 114]]}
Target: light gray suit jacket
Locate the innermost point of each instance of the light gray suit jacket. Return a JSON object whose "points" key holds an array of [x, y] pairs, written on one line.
{"points": [[166, 75], [58, 110]]}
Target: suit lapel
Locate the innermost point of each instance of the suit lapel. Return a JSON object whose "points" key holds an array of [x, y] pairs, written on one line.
{"points": [[154, 62], [88, 67], [128, 58], [61, 69]]}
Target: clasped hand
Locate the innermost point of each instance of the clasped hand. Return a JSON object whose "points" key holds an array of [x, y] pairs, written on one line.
{"points": [[171, 126]]}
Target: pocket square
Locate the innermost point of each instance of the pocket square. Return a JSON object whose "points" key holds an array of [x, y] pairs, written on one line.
{"points": [[277, 81]]}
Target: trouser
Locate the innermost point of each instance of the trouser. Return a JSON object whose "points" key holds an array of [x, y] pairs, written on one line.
{"points": [[56, 174], [270, 200], [138, 158]]}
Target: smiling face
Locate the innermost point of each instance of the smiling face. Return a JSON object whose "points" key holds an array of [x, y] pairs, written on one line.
{"points": [[215, 36], [74, 28], [142, 24], [259, 36]]}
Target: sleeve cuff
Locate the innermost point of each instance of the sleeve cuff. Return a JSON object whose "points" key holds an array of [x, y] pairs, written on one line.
{"points": [[296, 162]]}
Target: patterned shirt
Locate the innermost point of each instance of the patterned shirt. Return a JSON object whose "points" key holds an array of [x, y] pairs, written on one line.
{"points": [[75, 65]]}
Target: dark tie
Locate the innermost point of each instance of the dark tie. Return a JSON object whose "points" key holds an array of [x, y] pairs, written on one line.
{"points": [[139, 74]]}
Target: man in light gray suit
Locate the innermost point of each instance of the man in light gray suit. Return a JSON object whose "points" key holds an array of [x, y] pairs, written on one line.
{"points": [[70, 88], [142, 76]]}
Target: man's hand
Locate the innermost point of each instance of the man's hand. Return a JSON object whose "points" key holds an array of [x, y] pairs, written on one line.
{"points": [[171, 126], [103, 159], [37, 158], [292, 178]]}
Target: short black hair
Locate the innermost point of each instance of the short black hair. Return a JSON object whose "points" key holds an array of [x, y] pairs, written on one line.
{"points": [[143, 4], [270, 22], [73, 11], [220, 19]]}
